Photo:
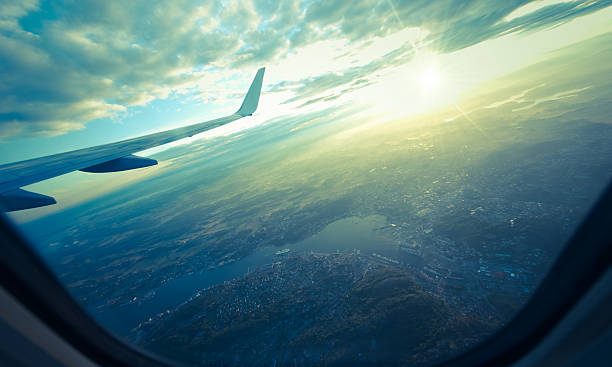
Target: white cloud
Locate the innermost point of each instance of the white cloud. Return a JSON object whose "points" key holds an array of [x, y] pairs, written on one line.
{"points": [[532, 7]]}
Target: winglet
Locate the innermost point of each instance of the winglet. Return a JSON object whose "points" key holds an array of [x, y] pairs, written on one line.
{"points": [[249, 105]]}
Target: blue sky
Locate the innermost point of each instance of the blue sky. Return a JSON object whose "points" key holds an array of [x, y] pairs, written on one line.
{"points": [[80, 73]]}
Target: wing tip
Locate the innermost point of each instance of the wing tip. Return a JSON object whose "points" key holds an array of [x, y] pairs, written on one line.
{"points": [[251, 100]]}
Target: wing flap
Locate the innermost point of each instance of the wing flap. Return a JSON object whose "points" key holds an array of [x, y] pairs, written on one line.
{"points": [[20, 199]]}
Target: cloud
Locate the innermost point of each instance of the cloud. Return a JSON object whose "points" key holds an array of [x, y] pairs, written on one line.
{"points": [[65, 63], [451, 26], [10, 12], [357, 76], [537, 92]]}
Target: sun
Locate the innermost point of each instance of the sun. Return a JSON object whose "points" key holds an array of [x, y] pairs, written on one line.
{"points": [[430, 79]]}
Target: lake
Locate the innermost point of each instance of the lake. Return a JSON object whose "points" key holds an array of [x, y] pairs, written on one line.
{"points": [[352, 233]]}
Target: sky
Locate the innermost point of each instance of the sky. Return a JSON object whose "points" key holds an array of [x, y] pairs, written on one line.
{"points": [[74, 74]]}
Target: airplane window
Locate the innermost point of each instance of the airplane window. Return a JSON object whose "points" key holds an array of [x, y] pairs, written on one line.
{"points": [[391, 189]]}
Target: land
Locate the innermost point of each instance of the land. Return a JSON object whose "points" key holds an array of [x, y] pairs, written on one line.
{"points": [[315, 309], [477, 207], [464, 220]]}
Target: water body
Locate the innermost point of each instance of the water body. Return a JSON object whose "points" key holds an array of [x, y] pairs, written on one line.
{"points": [[343, 235]]}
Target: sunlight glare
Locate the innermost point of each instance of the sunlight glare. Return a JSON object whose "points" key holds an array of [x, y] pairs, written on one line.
{"points": [[430, 79]]}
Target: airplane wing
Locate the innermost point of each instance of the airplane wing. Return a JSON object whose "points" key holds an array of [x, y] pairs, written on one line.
{"points": [[111, 157]]}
